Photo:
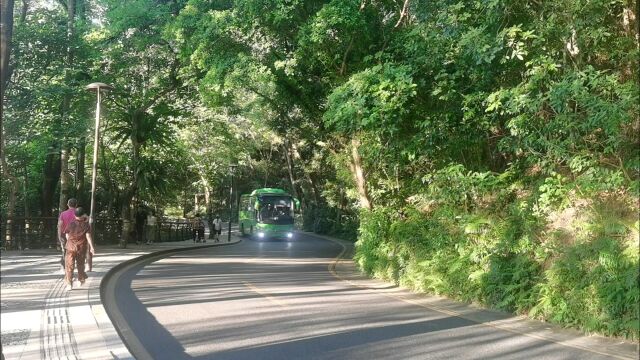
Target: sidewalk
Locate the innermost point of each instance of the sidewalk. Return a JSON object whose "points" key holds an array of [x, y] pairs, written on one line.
{"points": [[40, 320]]}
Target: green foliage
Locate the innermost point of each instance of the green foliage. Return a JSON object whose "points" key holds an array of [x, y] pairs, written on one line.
{"points": [[498, 261], [374, 99], [593, 285]]}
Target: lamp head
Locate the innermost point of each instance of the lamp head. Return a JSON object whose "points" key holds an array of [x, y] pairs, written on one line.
{"points": [[98, 86]]}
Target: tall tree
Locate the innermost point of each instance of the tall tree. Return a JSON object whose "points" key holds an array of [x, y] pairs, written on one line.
{"points": [[66, 103], [6, 35]]}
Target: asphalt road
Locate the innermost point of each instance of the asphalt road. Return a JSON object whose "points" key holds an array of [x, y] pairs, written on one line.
{"points": [[278, 300]]}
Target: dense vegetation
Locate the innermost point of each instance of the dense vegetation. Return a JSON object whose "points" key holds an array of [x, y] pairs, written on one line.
{"points": [[485, 150]]}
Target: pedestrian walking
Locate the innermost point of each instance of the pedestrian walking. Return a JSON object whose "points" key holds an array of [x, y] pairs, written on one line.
{"points": [[78, 243], [197, 226], [151, 228], [65, 218], [217, 227]]}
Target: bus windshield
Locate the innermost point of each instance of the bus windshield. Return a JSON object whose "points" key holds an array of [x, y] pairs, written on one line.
{"points": [[277, 210]]}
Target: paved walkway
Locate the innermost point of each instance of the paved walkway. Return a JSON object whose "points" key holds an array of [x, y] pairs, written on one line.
{"points": [[40, 320]]}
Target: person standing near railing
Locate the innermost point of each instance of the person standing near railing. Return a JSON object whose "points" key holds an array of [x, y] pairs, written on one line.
{"points": [[151, 230], [140, 219]]}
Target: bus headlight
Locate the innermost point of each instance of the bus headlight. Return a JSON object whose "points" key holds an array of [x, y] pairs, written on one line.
{"points": [[261, 234], [289, 235]]}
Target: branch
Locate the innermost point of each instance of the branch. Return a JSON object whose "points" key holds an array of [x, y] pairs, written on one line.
{"points": [[120, 104], [343, 67], [403, 13], [23, 13]]}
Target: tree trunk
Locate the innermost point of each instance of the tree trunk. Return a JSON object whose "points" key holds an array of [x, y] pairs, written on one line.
{"points": [[132, 191], [629, 19], [314, 189], [11, 201], [51, 173], [631, 28], [66, 102], [136, 147], [64, 179], [207, 199], [127, 224], [358, 175], [80, 164], [266, 171], [11, 209], [287, 153], [27, 213], [82, 10], [6, 34], [23, 11]]}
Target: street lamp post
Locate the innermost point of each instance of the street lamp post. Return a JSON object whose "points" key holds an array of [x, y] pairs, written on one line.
{"points": [[232, 170], [98, 87]]}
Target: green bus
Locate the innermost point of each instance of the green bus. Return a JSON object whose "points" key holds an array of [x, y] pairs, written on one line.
{"points": [[267, 213]]}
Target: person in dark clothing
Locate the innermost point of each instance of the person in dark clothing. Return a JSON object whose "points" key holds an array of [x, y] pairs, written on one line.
{"points": [[141, 216], [210, 223], [197, 226]]}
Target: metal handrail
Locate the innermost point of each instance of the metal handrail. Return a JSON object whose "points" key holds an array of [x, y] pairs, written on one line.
{"points": [[40, 232]]}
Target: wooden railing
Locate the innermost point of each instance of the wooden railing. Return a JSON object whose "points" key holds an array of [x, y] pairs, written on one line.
{"points": [[20, 233]]}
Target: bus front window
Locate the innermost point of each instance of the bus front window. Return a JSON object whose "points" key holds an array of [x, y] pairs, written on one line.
{"points": [[277, 210]]}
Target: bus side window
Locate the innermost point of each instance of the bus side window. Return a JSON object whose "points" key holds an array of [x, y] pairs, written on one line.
{"points": [[244, 204]]}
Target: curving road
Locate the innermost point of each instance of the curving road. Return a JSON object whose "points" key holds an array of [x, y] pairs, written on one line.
{"points": [[278, 300]]}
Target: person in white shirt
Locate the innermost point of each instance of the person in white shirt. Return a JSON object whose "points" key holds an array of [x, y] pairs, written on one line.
{"points": [[217, 227], [152, 227]]}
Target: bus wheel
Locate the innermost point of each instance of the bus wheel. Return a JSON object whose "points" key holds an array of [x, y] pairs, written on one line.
{"points": [[242, 229]]}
